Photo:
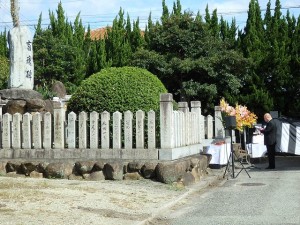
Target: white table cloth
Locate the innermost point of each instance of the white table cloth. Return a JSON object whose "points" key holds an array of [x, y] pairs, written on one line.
{"points": [[257, 149], [220, 153]]}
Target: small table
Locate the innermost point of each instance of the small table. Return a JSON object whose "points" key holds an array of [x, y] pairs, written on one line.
{"points": [[220, 153], [257, 149]]}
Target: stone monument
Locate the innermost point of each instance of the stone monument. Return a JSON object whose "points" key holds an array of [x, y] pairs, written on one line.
{"points": [[20, 96], [21, 53], [21, 58]]}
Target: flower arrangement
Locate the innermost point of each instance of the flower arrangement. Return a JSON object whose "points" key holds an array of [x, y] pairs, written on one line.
{"points": [[244, 118]]}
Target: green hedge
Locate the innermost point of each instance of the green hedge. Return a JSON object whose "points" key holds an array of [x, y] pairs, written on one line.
{"points": [[118, 89]]}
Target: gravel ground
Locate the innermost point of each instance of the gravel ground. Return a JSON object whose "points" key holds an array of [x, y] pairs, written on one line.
{"points": [[48, 201]]}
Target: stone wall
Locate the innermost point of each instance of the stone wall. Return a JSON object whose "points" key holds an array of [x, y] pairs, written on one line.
{"points": [[186, 170]]}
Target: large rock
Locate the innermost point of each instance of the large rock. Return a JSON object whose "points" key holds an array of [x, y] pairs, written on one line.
{"points": [[187, 179], [27, 168], [41, 167], [15, 106], [58, 170], [18, 93], [59, 89], [49, 107], [148, 170], [35, 105], [113, 171], [98, 166], [84, 167], [134, 167], [169, 172], [187, 170], [24, 106], [13, 167], [24, 100], [2, 168], [35, 174], [132, 176], [95, 176]]}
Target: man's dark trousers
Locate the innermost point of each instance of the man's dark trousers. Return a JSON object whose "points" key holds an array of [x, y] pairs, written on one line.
{"points": [[271, 155]]}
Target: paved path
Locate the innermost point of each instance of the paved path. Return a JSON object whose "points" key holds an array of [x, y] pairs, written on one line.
{"points": [[269, 197]]}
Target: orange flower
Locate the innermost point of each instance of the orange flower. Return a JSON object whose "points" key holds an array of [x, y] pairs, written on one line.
{"points": [[244, 118]]}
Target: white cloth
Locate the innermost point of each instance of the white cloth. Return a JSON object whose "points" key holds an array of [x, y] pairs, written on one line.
{"points": [[220, 153], [257, 149]]}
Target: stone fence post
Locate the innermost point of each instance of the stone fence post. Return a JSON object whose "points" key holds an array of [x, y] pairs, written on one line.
{"points": [[59, 126], [184, 107], [166, 121], [219, 128], [196, 107]]}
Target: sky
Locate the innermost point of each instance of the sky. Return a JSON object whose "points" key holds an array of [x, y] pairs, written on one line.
{"points": [[99, 13]]}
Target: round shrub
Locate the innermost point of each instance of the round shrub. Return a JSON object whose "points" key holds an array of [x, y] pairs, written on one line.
{"points": [[118, 89]]}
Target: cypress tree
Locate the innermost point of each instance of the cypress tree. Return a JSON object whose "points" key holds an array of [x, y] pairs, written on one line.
{"points": [[148, 30], [4, 51], [177, 8], [224, 29], [207, 16], [117, 43], [198, 18], [59, 51], [136, 40], [165, 13], [214, 24]]}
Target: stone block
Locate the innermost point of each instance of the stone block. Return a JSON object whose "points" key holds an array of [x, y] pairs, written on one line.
{"points": [[188, 179], [148, 170], [113, 170], [96, 176], [35, 174], [132, 176], [170, 172]]}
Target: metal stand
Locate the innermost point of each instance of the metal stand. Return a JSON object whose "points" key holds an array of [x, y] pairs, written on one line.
{"points": [[243, 168], [231, 158]]}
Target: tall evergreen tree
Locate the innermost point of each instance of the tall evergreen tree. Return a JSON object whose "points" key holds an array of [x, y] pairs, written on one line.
{"points": [[214, 24], [165, 13], [117, 44], [147, 29], [3, 44], [253, 37], [207, 16], [59, 51], [274, 69], [136, 40]]}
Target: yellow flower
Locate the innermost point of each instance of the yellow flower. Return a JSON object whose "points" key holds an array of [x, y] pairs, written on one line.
{"points": [[244, 118]]}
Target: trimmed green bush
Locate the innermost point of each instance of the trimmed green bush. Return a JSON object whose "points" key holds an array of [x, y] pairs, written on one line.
{"points": [[118, 89]]}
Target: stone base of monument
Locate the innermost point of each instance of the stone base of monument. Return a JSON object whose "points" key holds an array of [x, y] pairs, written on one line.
{"points": [[16, 100]]}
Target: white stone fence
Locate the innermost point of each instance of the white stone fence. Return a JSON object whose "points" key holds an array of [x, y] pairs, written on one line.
{"points": [[178, 128]]}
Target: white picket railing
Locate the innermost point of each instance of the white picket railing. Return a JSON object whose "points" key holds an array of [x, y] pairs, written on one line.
{"points": [[105, 130]]}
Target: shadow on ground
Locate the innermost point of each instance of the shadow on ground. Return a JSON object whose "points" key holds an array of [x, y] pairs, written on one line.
{"points": [[282, 161]]}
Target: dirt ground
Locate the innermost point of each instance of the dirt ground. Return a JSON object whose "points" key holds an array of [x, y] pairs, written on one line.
{"points": [[48, 201]]}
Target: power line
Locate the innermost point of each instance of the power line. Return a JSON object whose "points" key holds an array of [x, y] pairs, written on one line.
{"points": [[109, 17]]}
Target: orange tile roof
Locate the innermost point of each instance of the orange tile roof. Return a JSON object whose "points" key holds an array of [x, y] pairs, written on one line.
{"points": [[98, 33]]}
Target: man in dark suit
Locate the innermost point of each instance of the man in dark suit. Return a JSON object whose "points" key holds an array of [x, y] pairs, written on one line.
{"points": [[270, 139]]}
